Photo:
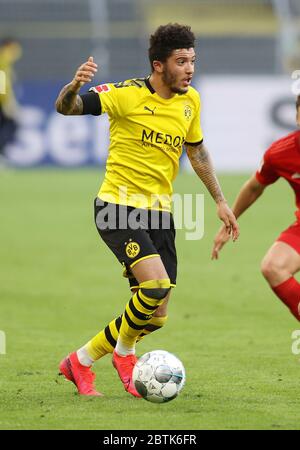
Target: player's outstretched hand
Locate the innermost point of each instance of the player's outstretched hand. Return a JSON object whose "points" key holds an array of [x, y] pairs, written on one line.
{"points": [[222, 236], [230, 224], [85, 73]]}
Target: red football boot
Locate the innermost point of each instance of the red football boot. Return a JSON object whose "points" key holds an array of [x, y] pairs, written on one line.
{"points": [[124, 366], [80, 375]]}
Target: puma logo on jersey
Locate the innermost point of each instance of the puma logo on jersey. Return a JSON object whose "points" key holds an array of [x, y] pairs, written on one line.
{"points": [[150, 110], [296, 175]]}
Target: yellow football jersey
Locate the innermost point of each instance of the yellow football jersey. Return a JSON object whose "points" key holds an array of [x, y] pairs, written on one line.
{"points": [[6, 94], [147, 133]]}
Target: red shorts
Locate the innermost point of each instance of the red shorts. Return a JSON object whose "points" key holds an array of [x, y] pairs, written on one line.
{"points": [[291, 236]]}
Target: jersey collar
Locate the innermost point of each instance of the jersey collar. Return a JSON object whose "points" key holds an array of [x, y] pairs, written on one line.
{"points": [[147, 82], [152, 90]]}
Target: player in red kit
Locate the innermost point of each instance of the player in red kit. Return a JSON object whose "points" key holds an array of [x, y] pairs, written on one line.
{"points": [[282, 260]]}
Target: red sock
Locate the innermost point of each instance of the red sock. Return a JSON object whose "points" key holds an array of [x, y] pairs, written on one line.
{"points": [[289, 293]]}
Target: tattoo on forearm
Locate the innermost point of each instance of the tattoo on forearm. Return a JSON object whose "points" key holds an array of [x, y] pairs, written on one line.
{"points": [[69, 102], [202, 165]]}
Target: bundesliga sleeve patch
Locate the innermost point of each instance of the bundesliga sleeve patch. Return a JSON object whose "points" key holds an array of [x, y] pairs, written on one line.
{"points": [[101, 88]]}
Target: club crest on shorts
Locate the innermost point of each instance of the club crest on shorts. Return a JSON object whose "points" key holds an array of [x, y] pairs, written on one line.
{"points": [[132, 249]]}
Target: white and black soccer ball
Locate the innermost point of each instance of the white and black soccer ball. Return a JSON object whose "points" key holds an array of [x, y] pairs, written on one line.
{"points": [[158, 376]]}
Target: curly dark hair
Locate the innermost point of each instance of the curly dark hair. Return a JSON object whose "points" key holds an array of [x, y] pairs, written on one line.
{"points": [[7, 41], [168, 38]]}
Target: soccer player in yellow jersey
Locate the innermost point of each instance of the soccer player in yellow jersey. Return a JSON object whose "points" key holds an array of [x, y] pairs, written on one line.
{"points": [[151, 119], [10, 52]]}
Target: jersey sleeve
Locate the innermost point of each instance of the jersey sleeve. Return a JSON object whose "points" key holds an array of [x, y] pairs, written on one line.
{"points": [[194, 135], [91, 104], [111, 101], [266, 174]]}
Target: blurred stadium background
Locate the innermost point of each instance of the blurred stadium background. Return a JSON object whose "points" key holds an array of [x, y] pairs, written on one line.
{"points": [[247, 50]]}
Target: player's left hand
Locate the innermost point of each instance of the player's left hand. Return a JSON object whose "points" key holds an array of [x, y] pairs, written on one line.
{"points": [[220, 240], [230, 222]]}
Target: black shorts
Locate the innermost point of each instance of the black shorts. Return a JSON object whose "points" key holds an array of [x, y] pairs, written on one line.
{"points": [[134, 234]]}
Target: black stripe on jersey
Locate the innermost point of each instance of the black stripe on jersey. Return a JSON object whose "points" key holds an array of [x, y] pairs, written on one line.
{"points": [[147, 82], [132, 324], [145, 305], [140, 82], [194, 144], [109, 337], [91, 104]]}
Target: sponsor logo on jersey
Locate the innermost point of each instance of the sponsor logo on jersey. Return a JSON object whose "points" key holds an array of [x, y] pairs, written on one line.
{"points": [[102, 88], [132, 249], [162, 138]]}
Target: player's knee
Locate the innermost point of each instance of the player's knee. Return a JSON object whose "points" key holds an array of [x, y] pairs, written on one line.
{"points": [[157, 293], [271, 268], [156, 289], [161, 311]]}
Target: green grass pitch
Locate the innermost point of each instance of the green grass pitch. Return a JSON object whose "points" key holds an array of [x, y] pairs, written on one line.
{"points": [[59, 285]]}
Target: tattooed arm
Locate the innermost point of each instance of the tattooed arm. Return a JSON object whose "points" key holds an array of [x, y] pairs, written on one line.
{"points": [[68, 101], [202, 165]]}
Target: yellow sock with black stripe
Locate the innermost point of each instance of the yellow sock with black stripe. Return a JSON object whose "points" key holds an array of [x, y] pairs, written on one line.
{"points": [[138, 312], [154, 324], [105, 341]]}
